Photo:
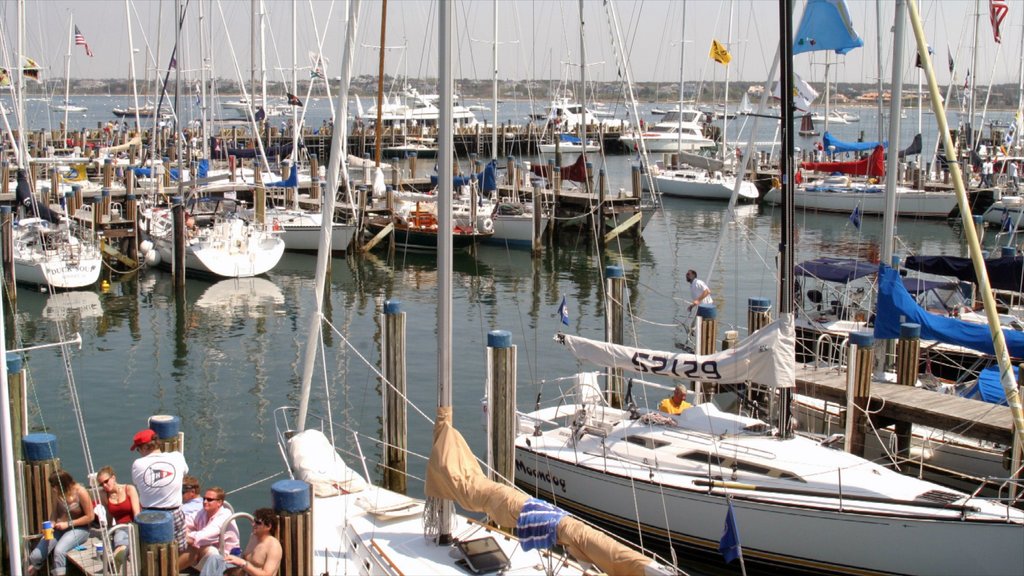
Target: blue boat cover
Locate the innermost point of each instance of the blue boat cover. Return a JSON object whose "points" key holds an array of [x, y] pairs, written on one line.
{"points": [[990, 388], [828, 141], [895, 306], [1003, 273], [840, 270], [826, 25], [570, 138], [291, 182], [487, 178]]}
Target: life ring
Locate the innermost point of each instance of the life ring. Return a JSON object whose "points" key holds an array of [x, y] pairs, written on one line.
{"points": [[487, 226]]}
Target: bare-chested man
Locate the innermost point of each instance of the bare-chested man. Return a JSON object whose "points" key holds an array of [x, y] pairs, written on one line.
{"points": [[262, 556]]}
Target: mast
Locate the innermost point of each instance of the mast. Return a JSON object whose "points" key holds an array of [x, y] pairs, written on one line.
{"points": [[254, 33], [1020, 88], [828, 94], [445, 152], [263, 54], [682, 86], [895, 109], [494, 88], [67, 78], [20, 102], [974, 77], [132, 76], [878, 28], [788, 216], [583, 88], [335, 166], [378, 129], [202, 81], [725, 100], [1006, 376], [295, 90]]}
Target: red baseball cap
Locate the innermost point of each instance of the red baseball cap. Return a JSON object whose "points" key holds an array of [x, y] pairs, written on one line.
{"points": [[143, 437]]}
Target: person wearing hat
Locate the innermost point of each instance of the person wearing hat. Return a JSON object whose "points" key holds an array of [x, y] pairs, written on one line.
{"points": [[158, 476]]}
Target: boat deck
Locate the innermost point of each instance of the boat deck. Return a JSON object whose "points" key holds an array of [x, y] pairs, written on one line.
{"points": [[894, 402]]}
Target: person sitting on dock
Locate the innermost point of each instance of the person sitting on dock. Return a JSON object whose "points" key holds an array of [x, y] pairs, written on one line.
{"points": [[676, 403], [262, 556], [191, 501], [71, 515], [158, 476], [202, 532], [699, 291], [121, 502]]}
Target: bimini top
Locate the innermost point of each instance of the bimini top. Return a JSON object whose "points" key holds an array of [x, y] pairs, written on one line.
{"points": [[1003, 273], [842, 270]]}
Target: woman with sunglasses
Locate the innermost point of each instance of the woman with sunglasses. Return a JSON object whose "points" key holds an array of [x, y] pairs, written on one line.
{"points": [[72, 512], [122, 504]]}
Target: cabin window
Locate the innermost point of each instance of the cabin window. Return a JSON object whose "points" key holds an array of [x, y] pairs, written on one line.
{"points": [[646, 442]]}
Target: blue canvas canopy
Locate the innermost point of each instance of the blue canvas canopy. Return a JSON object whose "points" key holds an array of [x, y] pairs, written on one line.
{"points": [[487, 178], [1003, 273], [828, 140], [842, 270], [895, 306], [989, 387]]}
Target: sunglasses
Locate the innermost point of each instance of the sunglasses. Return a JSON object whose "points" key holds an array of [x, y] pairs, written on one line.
{"points": [[107, 479], [211, 499], [187, 488], [260, 523]]}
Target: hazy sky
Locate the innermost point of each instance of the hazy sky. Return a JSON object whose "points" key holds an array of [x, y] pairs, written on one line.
{"points": [[540, 38]]}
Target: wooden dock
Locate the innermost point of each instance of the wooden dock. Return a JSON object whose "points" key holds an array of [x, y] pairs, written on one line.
{"points": [[891, 403]]}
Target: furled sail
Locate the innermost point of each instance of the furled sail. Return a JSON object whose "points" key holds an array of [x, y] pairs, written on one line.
{"points": [[896, 306], [765, 357], [575, 172], [454, 474], [830, 141], [701, 162], [873, 165]]}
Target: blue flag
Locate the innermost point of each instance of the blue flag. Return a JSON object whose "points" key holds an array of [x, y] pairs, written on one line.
{"points": [[729, 545], [1007, 221], [855, 216], [826, 25], [563, 312]]}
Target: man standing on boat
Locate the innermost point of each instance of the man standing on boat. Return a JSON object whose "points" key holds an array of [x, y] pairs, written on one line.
{"points": [[699, 291], [158, 476]]}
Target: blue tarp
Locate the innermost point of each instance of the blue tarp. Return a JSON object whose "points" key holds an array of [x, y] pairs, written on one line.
{"points": [[291, 182], [1003, 273], [570, 138], [989, 388], [826, 25], [201, 171], [828, 141], [841, 270], [895, 305], [487, 178]]}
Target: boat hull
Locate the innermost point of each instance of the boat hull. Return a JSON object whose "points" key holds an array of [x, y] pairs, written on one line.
{"points": [[693, 184], [820, 541], [58, 273], [842, 200], [514, 230]]}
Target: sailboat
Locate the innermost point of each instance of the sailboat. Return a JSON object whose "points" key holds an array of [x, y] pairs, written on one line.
{"points": [[362, 528], [807, 126], [802, 504]]}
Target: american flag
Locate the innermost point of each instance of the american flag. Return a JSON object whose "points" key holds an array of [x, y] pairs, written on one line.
{"points": [[80, 41]]}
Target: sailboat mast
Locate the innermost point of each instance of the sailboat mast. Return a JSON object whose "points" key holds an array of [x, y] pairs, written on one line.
{"points": [[203, 30], [378, 128], [788, 217], [20, 102], [67, 78], [895, 115], [494, 88], [295, 90], [971, 143], [445, 152], [583, 89], [878, 28], [682, 85], [828, 95], [725, 100]]}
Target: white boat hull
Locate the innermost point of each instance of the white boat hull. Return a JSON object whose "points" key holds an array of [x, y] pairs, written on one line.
{"points": [[655, 144], [568, 148], [515, 230], [1010, 207], [61, 262], [696, 184], [57, 272], [912, 203]]}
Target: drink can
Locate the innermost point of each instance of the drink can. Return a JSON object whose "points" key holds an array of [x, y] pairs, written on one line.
{"points": [[48, 530]]}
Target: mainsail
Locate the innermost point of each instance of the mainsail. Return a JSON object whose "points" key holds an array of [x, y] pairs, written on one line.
{"points": [[765, 357]]}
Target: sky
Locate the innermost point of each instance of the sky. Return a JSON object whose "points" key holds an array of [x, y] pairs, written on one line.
{"points": [[538, 39]]}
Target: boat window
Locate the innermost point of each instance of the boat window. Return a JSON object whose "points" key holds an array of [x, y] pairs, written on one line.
{"points": [[646, 442], [938, 496], [704, 457]]}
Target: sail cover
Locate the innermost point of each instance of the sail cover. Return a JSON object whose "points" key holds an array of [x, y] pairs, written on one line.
{"points": [[873, 165], [575, 172], [828, 140], [765, 357], [896, 306], [1003, 273], [913, 150], [701, 162]]}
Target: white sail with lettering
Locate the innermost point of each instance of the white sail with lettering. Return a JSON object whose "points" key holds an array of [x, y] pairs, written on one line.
{"points": [[765, 357]]}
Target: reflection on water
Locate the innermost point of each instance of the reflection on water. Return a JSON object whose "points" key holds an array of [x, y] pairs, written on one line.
{"points": [[225, 355]]}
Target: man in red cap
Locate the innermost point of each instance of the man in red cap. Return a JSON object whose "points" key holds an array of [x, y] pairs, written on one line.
{"points": [[158, 477]]}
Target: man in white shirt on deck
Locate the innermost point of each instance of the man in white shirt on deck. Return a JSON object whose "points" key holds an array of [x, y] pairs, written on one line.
{"points": [[158, 477], [699, 291]]}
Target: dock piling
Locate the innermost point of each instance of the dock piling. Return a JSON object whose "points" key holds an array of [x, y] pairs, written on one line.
{"points": [[615, 290], [395, 413], [858, 392], [293, 504], [908, 348], [501, 406]]}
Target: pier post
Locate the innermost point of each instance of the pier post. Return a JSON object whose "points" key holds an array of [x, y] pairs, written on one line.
{"points": [[395, 413], [908, 348], [17, 403], [178, 263], [707, 336], [54, 185], [232, 169], [858, 389], [40, 450], [291, 197], [259, 198], [314, 175], [131, 209], [979, 227], [615, 290], [104, 206], [159, 550], [7, 230], [168, 432], [501, 406], [411, 158], [76, 190], [538, 208], [511, 178], [292, 502], [108, 172], [396, 173], [5, 177], [730, 339], [634, 180], [759, 314]]}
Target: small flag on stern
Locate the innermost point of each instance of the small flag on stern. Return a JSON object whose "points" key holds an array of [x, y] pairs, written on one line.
{"points": [[563, 312], [293, 100], [719, 53], [729, 545], [80, 41], [855, 216]]}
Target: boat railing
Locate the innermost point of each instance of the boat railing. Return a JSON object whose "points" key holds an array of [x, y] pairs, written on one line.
{"points": [[830, 351], [227, 524]]}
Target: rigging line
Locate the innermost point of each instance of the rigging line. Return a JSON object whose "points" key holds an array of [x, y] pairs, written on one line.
{"points": [[255, 483]]}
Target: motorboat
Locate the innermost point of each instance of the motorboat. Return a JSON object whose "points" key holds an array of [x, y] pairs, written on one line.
{"points": [[675, 132]]}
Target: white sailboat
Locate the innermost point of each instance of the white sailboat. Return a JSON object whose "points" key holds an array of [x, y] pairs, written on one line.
{"points": [[361, 528], [802, 504]]}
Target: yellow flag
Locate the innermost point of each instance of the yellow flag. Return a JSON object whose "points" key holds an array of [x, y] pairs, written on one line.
{"points": [[719, 53]]}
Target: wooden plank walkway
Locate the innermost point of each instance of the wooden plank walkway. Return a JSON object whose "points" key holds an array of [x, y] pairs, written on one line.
{"points": [[896, 403]]}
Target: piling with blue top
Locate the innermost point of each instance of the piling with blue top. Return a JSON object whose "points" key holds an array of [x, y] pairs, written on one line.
{"points": [[293, 504], [708, 315], [908, 350], [759, 313], [41, 460], [168, 432], [7, 233], [393, 369], [501, 405], [862, 361], [614, 329], [18, 403], [158, 555]]}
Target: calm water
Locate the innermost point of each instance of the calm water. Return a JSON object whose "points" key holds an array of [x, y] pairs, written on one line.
{"points": [[224, 357]]}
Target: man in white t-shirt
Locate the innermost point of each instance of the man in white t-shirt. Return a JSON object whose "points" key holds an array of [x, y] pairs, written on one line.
{"points": [[158, 477], [699, 291]]}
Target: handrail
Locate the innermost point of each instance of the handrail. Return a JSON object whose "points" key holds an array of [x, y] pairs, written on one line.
{"points": [[133, 546], [226, 524]]}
